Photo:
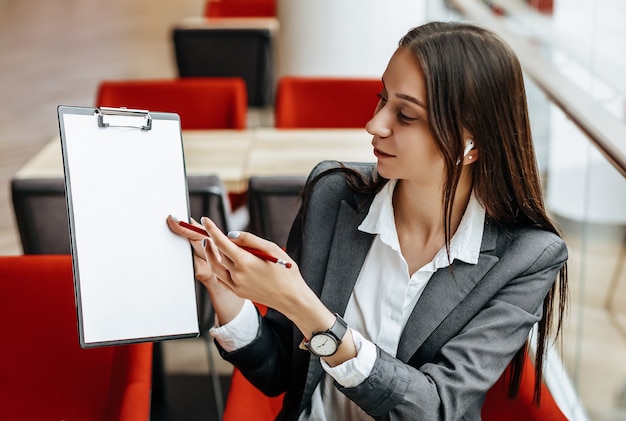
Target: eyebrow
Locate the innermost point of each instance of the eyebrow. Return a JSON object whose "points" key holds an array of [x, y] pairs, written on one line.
{"points": [[406, 97], [411, 99]]}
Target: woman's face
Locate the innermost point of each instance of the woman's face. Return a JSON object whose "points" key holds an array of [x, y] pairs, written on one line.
{"points": [[403, 143]]}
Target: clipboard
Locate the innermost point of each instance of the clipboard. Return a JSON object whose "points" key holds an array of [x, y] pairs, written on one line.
{"points": [[124, 172]]}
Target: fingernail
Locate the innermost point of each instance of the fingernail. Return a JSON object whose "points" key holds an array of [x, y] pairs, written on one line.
{"points": [[202, 220], [233, 234], [204, 243]]}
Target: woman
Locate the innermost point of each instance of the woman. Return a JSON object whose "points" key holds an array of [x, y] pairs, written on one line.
{"points": [[415, 282]]}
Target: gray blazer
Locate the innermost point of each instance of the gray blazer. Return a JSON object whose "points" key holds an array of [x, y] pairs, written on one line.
{"points": [[466, 327]]}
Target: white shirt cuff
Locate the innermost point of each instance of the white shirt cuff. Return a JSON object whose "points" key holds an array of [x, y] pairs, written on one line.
{"points": [[354, 371], [240, 331]]}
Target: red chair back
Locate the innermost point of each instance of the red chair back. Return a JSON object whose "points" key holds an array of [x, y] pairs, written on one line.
{"points": [[202, 103], [499, 407], [240, 9], [316, 102], [44, 373], [245, 402]]}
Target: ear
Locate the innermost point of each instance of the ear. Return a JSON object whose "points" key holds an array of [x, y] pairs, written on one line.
{"points": [[471, 157], [470, 153]]}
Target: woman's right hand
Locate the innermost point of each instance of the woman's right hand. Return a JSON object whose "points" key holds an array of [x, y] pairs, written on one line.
{"points": [[206, 257]]}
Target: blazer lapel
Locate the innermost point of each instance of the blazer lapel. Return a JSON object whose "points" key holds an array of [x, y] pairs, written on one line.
{"points": [[347, 253], [348, 250], [445, 290]]}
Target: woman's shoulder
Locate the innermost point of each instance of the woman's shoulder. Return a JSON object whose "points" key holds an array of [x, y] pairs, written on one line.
{"points": [[335, 176], [332, 182], [329, 167], [533, 240]]}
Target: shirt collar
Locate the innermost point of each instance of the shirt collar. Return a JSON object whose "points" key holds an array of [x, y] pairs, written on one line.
{"points": [[464, 245], [380, 219]]}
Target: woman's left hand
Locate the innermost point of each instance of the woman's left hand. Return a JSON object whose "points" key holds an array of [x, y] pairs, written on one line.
{"points": [[252, 277], [273, 285]]}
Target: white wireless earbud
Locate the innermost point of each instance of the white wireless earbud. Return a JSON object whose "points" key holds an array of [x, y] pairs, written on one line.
{"points": [[469, 145]]}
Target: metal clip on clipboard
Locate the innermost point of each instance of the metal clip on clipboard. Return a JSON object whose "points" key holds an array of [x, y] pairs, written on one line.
{"points": [[124, 117]]}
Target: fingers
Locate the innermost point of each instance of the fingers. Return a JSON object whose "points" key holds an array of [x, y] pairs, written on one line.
{"points": [[238, 247], [194, 238], [203, 272], [209, 262], [211, 252], [246, 239], [174, 226], [221, 241], [260, 247], [235, 239], [231, 253], [216, 261]]}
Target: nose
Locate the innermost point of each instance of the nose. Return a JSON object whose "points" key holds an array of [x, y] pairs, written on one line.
{"points": [[379, 124]]}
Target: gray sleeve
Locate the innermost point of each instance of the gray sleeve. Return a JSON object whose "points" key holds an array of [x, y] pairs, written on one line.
{"points": [[453, 385]]}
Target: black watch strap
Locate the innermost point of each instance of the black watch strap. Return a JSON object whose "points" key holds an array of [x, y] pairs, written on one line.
{"points": [[338, 329]]}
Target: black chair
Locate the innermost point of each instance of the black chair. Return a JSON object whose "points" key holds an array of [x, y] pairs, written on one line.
{"points": [[273, 202], [41, 215], [42, 221], [208, 197], [41, 212], [223, 52]]}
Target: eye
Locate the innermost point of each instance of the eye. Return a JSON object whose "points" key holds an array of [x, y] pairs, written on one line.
{"points": [[405, 118]]}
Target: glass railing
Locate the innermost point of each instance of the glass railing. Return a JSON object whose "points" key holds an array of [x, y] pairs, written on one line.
{"points": [[575, 68]]}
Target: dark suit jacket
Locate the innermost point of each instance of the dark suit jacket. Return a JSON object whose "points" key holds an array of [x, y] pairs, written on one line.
{"points": [[466, 327]]}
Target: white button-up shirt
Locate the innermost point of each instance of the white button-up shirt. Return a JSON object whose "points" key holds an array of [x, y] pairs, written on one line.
{"points": [[379, 307]]}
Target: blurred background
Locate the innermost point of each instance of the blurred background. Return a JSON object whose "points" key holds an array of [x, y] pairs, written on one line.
{"points": [[56, 52]]}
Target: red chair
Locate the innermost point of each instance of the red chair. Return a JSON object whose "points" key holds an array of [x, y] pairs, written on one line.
{"points": [[240, 9], [499, 407], [245, 402], [202, 103], [320, 102], [44, 373]]}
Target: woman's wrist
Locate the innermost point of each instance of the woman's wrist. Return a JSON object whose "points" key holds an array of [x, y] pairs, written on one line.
{"points": [[306, 311], [310, 315], [227, 305]]}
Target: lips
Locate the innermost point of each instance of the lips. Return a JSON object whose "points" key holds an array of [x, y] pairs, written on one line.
{"points": [[380, 154]]}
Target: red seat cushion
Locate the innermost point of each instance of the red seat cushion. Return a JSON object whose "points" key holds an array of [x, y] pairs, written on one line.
{"points": [[44, 373]]}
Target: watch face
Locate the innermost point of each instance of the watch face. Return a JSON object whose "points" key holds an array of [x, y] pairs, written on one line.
{"points": [[323, 344]]}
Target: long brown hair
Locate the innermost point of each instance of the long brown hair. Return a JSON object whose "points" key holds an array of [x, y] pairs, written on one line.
{"points": [[475, 84]]}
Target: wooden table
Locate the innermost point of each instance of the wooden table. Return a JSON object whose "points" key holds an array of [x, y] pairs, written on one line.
{"points": [[296, 152], [200, 22], [235, 155]]}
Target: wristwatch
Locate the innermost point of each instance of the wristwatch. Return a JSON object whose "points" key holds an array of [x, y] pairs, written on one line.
{"points": [[326, 343]]}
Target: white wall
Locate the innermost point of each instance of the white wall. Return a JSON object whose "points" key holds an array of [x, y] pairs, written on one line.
{"points": [[342, 37]]}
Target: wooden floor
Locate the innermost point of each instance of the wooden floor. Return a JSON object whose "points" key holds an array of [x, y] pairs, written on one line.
{"points": [[55, 52]]}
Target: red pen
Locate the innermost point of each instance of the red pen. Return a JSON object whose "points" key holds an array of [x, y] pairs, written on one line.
{"points": [[257, 253]]}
